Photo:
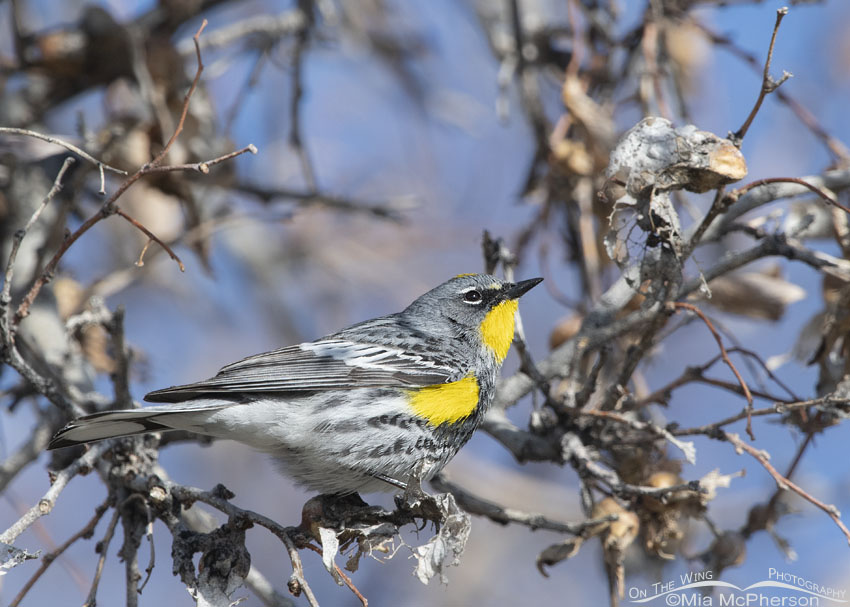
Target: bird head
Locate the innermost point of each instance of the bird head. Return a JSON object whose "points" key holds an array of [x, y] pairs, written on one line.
{"points": [[480, 305]]}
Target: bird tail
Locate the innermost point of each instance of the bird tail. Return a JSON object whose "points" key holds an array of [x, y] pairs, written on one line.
{"points": [[113, 424]]}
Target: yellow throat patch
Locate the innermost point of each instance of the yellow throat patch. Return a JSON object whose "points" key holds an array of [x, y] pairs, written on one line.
{"points": [[450, 402], [497, 329]]}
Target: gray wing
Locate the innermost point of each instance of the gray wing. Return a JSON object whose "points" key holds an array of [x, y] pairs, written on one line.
{"points": [[328, 364]]}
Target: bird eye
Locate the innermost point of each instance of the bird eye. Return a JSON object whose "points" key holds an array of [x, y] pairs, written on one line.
{"points": [[472, 297]]}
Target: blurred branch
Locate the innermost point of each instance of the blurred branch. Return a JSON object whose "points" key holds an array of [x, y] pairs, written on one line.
{"points": [[5, 296], [68, 146], [81, 465], [109, 207], [299, 57], [47, 560], [524, 445], [9, 351], [266, 26], [763, 194], [502, 515], [26, 453], [391, 210]]}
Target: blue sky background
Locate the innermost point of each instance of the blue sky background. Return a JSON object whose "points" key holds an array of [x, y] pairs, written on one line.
{"points": [[370, 139]]}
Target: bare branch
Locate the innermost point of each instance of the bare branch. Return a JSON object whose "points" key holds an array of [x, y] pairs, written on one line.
{"points": [[726, 359], [152, 237], [47, 559], [26, 454], [736, 194], [768, 84], [68, 146], [503, 515], [179, 129], [784, 483], [48, 501], [91, 600]]}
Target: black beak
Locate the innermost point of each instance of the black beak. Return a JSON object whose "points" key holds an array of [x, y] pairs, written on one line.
{"points": [[517, 290]]}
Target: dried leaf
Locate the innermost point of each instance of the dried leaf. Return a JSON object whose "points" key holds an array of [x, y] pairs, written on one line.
{"points": [[449, 541], [374, 538], [330, 548], [621, 532], [556, 553], [653, 155], [763, 294], [713, 481]]}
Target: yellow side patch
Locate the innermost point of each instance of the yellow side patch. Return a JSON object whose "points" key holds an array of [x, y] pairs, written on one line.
{"points": [[450, 402], [497, 329], [462, 275]]}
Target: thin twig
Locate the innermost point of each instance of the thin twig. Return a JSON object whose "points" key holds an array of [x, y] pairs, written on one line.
{"points": [[153, 237], [68, 146], [718, 205], [747, 394], [696, 374], [297, 582], [152, 560], [836, 147], [346, 579], [201, 167], [265, 26], [48, 500], [103, 545], [776, 409], [351, 586], [48, 559], [768, 84], [784, 483], [108, 208], [179, 129], [738, 192]]}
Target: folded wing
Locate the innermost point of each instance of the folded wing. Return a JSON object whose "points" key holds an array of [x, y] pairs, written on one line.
{"points": [[329, 364]]}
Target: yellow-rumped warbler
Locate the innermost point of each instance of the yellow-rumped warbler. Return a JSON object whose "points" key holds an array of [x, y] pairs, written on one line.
{"points": [[356, 411]]}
